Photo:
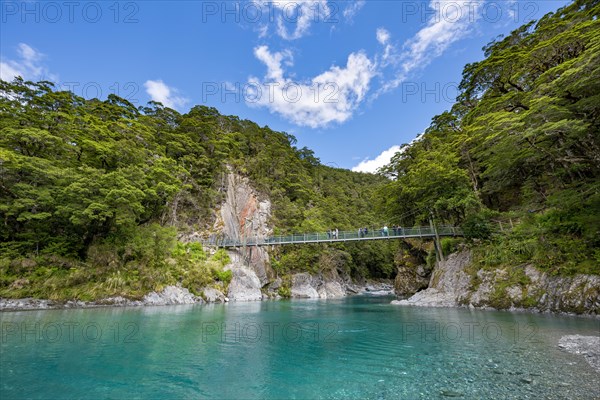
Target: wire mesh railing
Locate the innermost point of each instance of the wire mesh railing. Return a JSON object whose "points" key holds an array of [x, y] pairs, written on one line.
{"points": [[337, 236]]}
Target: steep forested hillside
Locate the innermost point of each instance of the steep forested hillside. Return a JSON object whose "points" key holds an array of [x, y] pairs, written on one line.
{"points": [[94, 193], [517, 159]]}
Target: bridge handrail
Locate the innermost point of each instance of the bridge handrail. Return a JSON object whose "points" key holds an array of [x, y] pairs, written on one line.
{"points": [[324, 237]]}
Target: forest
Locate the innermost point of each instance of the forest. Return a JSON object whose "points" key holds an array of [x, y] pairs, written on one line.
{"points": [[96, 193], [516, 161]]}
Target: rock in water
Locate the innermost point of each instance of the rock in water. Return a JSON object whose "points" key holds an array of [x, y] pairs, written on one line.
{"points": [[212, 295], [244, 286], [302, 287], [450, 393], [429, 298], [331, 290]]}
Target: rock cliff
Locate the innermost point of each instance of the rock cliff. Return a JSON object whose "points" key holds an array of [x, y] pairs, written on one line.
{"points": [[455, 283], [245, 215]]}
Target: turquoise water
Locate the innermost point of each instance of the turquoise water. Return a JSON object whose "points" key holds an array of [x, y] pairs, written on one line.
{"points": [[358, 347]]}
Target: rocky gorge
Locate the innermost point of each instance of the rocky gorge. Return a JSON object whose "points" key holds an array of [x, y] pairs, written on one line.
{"points": [[454, 282], [457, 282]]}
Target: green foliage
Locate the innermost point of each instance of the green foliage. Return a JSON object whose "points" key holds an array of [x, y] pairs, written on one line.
{"points": [[365, 259], [450, 245], [221, 257], [431, 258], [285, 292], [477, 226], [223, 276]]}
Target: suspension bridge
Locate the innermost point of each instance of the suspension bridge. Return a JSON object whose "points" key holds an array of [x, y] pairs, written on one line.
{"points": [[341, 236]]}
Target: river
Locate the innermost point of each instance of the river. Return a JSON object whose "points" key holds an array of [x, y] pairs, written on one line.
{"points": [[356, 347]]}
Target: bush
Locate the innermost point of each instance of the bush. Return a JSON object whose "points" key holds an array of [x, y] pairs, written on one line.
{"points": [[450, 245], [477, 226], [221, 257], [285, 292], [223, 276]]}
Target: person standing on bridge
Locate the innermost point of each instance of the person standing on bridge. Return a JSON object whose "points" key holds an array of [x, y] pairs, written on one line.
{"points": [[385, 230], [337, 233]]}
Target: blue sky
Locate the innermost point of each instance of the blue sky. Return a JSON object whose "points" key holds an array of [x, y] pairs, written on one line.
{"points": [[351, 80]]}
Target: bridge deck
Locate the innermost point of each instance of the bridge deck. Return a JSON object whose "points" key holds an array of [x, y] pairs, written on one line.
{"points": [[345, 236]]}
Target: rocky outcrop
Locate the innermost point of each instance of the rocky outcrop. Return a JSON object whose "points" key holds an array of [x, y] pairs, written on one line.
{"points": [[306, 286], [429, 298], [244, 285], [303, 286], [578, 294], [245, 215], [212, 295], [586, 346], [331, 290], [449, 283], [171, 295], [515, 288], [410, 280]]}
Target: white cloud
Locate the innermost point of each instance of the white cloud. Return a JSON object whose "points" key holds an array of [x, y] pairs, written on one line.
{"points": [[451, 21], [263, 31], [383, 36], [378, 162], [352, 9], [164, 94], [8, 71], [331, 97], [273, 61], [334, 95], [298, 15], [28, 65]]}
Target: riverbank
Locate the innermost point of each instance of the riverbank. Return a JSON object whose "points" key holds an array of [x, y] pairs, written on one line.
{"points": [[175, 295]]}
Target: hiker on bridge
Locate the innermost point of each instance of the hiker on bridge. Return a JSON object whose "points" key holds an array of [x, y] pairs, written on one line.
{"points": [[385, 231]]}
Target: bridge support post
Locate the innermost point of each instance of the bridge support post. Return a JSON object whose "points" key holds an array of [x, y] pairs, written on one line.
{"points": [[438, 243]]}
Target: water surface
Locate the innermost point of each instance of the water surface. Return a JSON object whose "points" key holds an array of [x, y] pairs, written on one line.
{"points": [[358, 347]]}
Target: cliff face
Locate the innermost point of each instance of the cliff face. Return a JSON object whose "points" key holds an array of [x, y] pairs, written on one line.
{"points": [[455, 283], [244, 214]]}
